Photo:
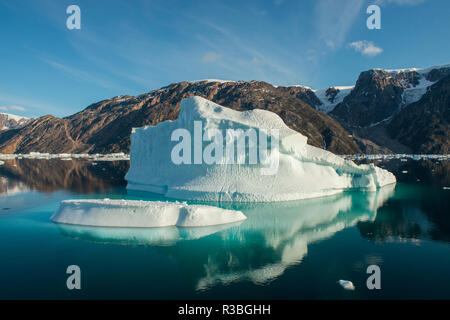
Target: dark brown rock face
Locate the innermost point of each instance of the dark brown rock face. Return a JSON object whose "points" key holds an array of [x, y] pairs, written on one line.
{"points": [[388, 111], [376, 96], [105, 127], [425, 125]]}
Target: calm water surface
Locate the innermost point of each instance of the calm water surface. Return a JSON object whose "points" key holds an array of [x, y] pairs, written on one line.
{"points": [[289, 250]]}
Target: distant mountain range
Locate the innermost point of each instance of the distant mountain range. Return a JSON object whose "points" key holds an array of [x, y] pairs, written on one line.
{"points": [[385, 111], [11, 121]]}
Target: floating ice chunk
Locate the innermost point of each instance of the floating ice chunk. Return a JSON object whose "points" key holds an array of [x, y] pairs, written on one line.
{"points": [[134, 213], [347, 285], [302, 171]]}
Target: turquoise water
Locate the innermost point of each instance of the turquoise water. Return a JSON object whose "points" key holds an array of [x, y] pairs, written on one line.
{"points": [[290, 250]]}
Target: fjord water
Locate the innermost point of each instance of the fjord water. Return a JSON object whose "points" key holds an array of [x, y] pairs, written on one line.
{"points": [[286, 250]]}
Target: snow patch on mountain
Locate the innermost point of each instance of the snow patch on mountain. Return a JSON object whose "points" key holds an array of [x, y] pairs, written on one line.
{"points": [[331, 97], [12, 121], [419, 70], [413, 92]]}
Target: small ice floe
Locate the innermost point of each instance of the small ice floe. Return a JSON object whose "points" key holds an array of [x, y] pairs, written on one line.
{"points": [[347, 285], [135, 213]]}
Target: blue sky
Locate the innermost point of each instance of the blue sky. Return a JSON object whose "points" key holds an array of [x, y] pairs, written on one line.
{"points": [[132, 47]]}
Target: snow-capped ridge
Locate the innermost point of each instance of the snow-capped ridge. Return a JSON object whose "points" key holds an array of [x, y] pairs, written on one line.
{"points": [[212, 81], [12, 121], [419, 70], [14, 116], [328, 100]]}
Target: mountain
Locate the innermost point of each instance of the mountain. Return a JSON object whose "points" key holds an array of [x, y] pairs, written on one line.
{"points": [[11, 121], [379, 93], [386, 111], [105, 126], [425, 125], [376, 109]]}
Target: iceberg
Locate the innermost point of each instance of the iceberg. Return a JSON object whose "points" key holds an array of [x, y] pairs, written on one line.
{"points": [[294, 169], [138, 213], [346, 284]]}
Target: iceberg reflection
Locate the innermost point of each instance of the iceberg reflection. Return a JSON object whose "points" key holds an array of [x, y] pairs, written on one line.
{"points": [[274, 237], [280, 233], [162, 236]]}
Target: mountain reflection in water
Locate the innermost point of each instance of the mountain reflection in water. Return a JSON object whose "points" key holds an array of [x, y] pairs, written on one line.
{"points": [[53, 175]]}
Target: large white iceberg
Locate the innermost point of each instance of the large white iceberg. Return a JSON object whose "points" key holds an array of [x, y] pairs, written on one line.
{"points": [[134, 213], [294, 169]]}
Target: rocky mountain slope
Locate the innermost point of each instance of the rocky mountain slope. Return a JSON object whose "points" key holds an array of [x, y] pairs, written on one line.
{"points": [[386, 110], [105, 127], [425, 125], [378, 94]]}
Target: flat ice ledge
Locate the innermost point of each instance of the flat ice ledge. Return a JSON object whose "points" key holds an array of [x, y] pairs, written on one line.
{"points": [[135, 213]]}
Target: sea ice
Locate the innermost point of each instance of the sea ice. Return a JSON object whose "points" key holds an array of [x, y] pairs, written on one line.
{"points": [[135, 213], [303, 171], [347, 285]]}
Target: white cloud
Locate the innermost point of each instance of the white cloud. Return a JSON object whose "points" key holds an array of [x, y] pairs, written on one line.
{"points": [[367, 48], [211, 56]]}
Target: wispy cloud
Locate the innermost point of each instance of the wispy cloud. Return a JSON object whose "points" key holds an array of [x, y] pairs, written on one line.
{"points": [[12, 108], [211, 56], [14, 103], [241, 54], [334, 20], [79, 74], [400, 2], [367, 48]]}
